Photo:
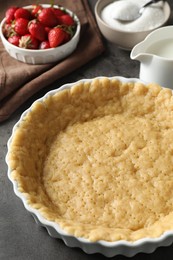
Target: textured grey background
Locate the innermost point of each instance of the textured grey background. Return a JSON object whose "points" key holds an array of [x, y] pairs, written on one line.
{"points": [[20, 237]]}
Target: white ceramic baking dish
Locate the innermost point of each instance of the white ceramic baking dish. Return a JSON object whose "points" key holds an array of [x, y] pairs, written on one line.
{"points": [[108, 249]]}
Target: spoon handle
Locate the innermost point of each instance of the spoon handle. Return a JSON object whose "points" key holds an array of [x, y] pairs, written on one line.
{"points": [[151, 2]]}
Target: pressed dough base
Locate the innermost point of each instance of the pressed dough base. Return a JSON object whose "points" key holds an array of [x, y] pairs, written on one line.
{"points": [[97, 159]]}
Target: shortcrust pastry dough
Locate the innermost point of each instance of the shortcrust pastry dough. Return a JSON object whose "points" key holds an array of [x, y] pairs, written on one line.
{"points": [[98, 159]]}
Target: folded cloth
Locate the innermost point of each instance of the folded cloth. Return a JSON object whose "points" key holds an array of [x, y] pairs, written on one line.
{"points": [[19, 81]]}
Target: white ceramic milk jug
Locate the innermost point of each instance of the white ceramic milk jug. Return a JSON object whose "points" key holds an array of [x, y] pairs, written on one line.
{"points": [[155, 54]]}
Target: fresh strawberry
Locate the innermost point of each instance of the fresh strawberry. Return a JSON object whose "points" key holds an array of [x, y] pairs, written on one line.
{"points": [[67, 37], [47, 29], [14, 40], [21, 26], [22, 13], [28, 42], [9, 15], [47, 17], [38, 27], [56, 37], [44, 45], [37, 30], [58, 12], [66, 19], [8, 30], [36, 9]]}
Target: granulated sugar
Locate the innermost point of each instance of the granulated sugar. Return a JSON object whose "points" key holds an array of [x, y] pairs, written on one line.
{"points": [[152, 17]]}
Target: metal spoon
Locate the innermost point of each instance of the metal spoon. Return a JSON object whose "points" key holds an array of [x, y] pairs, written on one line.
{"points": [[128, 12]]}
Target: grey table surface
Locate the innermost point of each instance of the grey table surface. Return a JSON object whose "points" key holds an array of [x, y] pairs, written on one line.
{"points": [[20, 237]]}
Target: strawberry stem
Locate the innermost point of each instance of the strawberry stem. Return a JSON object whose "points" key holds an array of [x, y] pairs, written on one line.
{"points": [[52, 3]]}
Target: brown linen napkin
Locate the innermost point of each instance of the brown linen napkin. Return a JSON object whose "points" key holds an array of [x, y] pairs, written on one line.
{"points": [[19, 81]]}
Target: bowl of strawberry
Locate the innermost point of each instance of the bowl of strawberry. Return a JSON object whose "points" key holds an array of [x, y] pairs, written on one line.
{"points": [[39, 34]]}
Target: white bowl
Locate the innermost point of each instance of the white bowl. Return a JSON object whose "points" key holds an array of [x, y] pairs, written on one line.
{"points": [[124, 38], [109, 249], [42, 56]]}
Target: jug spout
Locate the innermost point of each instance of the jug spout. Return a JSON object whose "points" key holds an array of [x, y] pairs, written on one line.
{"points": [[139, 53]]}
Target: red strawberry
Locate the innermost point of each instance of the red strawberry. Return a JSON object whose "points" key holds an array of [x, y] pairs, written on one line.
{"points": [[36, 9], [44, 45], [8, 30], [47, 17], [28, 42], [14, 40], [47, 29], [66, 19], [21, 26], [56, 37], [37, 30], [58, 12], [67, 37], [9, 15], [22, 13]]}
